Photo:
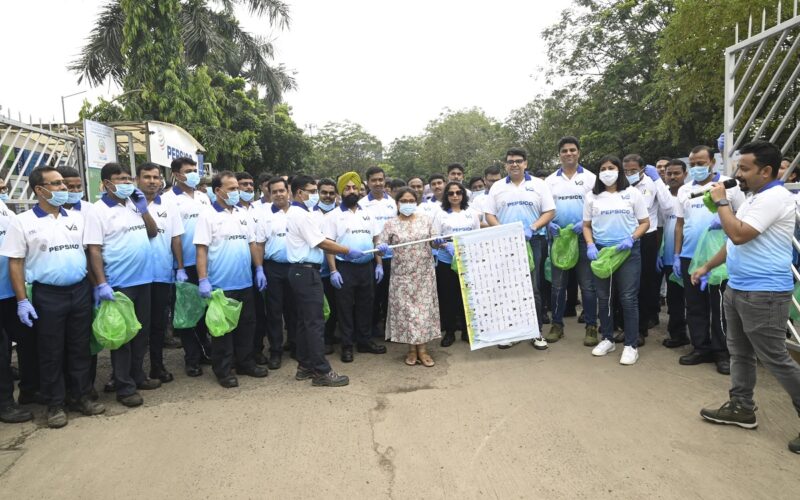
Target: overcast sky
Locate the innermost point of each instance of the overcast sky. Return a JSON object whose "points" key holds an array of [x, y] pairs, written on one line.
{"points": [[391, 66]]}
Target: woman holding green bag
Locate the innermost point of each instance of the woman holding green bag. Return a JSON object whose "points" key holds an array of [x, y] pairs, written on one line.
{"points": [[615, 217]]}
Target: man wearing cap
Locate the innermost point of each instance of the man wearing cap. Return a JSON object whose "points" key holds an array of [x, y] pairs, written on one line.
{"points": [[353, 227]]}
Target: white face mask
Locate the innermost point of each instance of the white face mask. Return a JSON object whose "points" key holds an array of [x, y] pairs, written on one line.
{"points": [[609, 177]]}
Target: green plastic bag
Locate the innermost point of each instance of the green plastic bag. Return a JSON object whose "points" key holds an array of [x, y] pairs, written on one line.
{"points": [[709, 203], [548, 271], [609, 260], [531, 263], [564, 250], [223, 313], [710, 243], [115, 322], [326, 308], [673, 278], [793, 313], [189, 305]]}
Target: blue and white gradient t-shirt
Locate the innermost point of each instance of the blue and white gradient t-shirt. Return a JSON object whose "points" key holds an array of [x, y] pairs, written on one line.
{"points": [[190, 208], [569, 194], [670, 219], [525, 202], [273, 225], [169, 224], [614, 216], [303, 236], [227, 234], [381, 211], [449, 222], [354, 230]]}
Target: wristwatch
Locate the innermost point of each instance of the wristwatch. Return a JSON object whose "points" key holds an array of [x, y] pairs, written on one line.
{"points": [[722, 203]]}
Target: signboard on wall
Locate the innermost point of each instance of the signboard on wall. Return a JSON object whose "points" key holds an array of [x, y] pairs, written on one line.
{"points": [[101, 148], [168, 142]]}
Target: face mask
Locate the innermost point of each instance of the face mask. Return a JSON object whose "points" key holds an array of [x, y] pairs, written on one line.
{"points": [[233, 198], [74, 198], [192, 179], [211, 195], [350, 200], [124, 190], [632, 179], [698, 173], [609, 177], [245, 196], [4, 197], [327, 206], [312, 200], [58, 198], [408, 208]]}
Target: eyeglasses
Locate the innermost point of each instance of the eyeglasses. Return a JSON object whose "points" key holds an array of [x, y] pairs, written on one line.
{"points": [[515, 162], [455, 193], [52, 183]]}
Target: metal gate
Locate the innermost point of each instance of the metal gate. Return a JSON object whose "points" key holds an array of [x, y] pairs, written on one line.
{"points": [[24, 147], [762, 98]]}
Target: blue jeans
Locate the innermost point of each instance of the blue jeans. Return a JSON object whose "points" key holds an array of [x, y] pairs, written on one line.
{"points": [[585, 282], [626, 283]]}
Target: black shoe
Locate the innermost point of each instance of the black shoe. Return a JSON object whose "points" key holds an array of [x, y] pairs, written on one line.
{"points": [[229, 382], [347, 354], [696, 358], [93, 394], [193, 370], [673, 343], [86, 406], [506, 346], [253, 371], [27, 398], [448, 339], [14, 373], [581, 318], [13, 414], [131, 400], [328, 349], [56, 417], [731, 413], [464, 336], [274, 361], [110, 386], [330, 379], [723, 362], [149, 384], [619, 337], [259, 358], [372, 348], [160, 373], [303, 373]]}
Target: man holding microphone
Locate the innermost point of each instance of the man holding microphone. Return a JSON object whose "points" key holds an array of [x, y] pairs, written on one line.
{"points": [[758, 296]]}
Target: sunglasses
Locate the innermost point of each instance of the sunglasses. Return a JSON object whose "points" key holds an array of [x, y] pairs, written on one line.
{"points": [[455, 193]]}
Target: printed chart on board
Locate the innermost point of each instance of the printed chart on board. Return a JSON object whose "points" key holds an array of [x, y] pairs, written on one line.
{"points": [[496, 285]]}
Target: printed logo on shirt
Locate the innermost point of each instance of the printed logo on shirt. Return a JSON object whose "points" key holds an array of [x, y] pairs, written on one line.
{"points": [[236, 237], [618, 211], [528, 188], [135, 228], [626, 196], [579, 183], [162, 215], [361, 231], [569, 197], [72, 227], [190, 216], [243, 222], [521, 202], [58, 248]]}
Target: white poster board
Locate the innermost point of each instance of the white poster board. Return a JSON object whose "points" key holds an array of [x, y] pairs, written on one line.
{"points": [[496, 285], [167, 142], [101, 144]]}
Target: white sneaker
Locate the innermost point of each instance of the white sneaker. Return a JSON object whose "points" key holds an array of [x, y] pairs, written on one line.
{"points": [[629, 355], [539, 343], [603, 348]]}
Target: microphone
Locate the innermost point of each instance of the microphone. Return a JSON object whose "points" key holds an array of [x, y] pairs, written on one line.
{"points": [[728, 184]]}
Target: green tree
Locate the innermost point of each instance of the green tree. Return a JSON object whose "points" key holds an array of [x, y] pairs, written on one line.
{"points": [[404, 157], [284, 147], [340, 147]]}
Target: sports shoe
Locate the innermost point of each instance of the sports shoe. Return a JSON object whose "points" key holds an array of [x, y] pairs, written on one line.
{"points": [[629, 355], [590, 339], [555, 333], [603, 348], [539, 343], [732, 413], [330, 379], [794, 445], [56, 417]]}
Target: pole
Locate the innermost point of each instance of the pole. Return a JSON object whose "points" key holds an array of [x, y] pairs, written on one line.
{"points": [[63, 109], [444, 237]]}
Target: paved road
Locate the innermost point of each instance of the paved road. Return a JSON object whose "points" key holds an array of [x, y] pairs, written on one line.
{"points": [[488, 424]]}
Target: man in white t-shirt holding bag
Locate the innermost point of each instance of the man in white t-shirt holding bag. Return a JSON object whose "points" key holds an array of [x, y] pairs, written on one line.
{"points": [[758, 297]]}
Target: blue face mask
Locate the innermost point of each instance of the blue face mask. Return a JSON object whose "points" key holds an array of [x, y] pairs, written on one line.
{"points": [[632, 179], [58, 198], [123, 191], [327, 207], [245, 196], [312, 200], [4, 197], [698, 173], [74, 198], [233, 198], [192, 179], [211, 195], [408, 209]]}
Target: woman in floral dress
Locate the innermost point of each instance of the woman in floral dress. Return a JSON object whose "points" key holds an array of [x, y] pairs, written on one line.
{"points": [[413, 313]]}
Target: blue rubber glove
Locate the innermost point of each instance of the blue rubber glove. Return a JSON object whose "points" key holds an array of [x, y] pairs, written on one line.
{"points": [[721, 142], [591, 251], [383, 248], [261, 280], [659, 264], [578, 228], [378, 273], [204, 288], [553, 229], [703, 282], [528, 232], [139, 201], [336, 280], [451, 249], [676, 265], [26, 313], [439, 242], [103, 292], [652, 172], [354, 254], [715, 223], [181, 276], [626, 244]]}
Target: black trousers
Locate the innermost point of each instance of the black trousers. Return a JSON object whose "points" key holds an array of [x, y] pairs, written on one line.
{"points": [[650, 281], [160, 297], [236, 346], [451, 306], [280, 306], [307, 291], [6, 377], [381, 304], [127, 362], [27, 350], [330, 323], [676, 308], [704, 314], [63, 331], [260, 312], [355, 301], [195, 341]]}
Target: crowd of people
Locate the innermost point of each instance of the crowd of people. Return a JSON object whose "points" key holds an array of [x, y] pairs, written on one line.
{"points": [[282, 246]]}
